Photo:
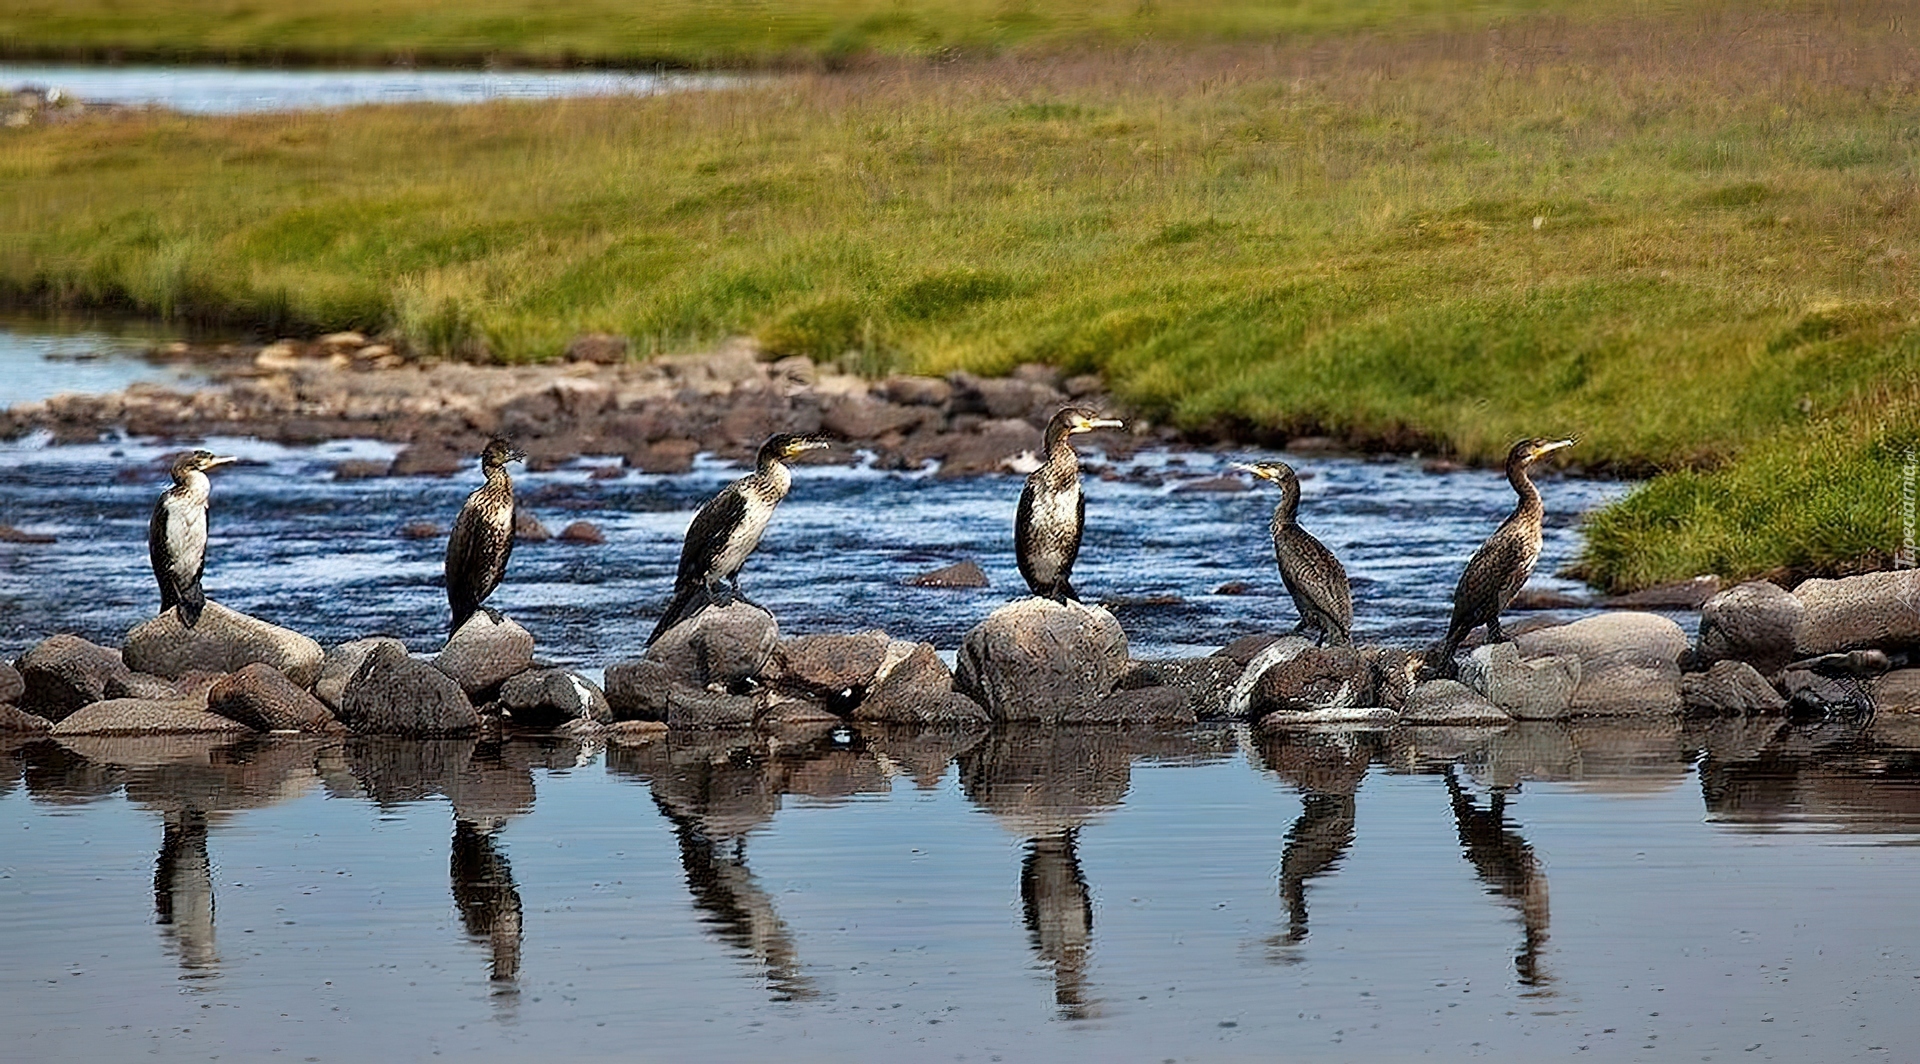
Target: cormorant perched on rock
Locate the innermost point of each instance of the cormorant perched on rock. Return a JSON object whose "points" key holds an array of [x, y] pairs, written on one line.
{"points": [[177, 535], [1046, 528], [1500, 567], [728, 527], [1314, 577], [482, 536]]}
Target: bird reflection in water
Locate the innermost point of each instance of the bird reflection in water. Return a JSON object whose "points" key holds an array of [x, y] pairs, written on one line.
{"points": [[1507, 864], [1059, 912], [183, 891], [1327, 768], [488, 900]]}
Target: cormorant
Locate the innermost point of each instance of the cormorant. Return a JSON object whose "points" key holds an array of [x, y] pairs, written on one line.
{"points": [[1500, 567], [482, 536], [1312, 574], [177, 535], [728, 527], [1046, 528]]}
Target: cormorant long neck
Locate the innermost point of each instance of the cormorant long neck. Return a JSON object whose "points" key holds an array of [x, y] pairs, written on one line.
{"points": [[771, 476], [193, 485], [1529, 508], [1283, 514], [1062, 459], [498, 479]]}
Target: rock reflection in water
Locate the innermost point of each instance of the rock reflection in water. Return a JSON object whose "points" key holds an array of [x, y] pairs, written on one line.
{"points": [[1327, 767], [1508, 866], [1766, 775]]}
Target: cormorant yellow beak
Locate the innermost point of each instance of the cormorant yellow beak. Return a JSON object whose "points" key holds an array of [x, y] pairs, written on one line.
{"points": [[1089, 424], [1251, 468], [798, 446], [1548, 448], [224, 460]]}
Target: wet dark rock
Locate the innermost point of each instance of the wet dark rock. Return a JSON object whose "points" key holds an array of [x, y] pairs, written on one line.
{"points": [[223, 641], [1164, 706], [360, 469], [917, 391], [65, 672], [1729, 688], [694, 710], [1629, 662], [262, 698], [394, 694], [639, 690], [1872, 610], [1141, 602], [140, 716], [1311, 679], [664, 456], [721, 646], [1449, 702], [582, 532], [11, 685], [1394, 670], [421, 530], [1035, 660], [1207, 681], [528, 529], [485, 651], [1812, 695], [913, 686], [1681, 595], [828, 666], [604, 349], [10, 534], [1233, 587], [857, 417], [605, 472], [1752, 622], [1539, 688], [795, 712], [1244, 649], [548, 698], [15, 721], [428, 460], [1898, 692], [338, 667], [963, 574], [987, 449]]}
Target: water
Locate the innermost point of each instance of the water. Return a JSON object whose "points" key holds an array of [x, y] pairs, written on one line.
{"points": [[37, 364], [234, 90]]}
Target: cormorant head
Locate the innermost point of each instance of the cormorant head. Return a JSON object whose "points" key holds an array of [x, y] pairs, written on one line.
{"points": [[1529, 451], [1072, 420], [197, 462], [498, 452], [785, 445], [1279, 472]]}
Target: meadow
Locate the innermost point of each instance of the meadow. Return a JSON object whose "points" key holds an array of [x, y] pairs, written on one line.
{"points": [[1688, 238]]}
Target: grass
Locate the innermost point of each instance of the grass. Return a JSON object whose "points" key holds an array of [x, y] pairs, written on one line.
{"points": [[691, 33], [1688, 238]]}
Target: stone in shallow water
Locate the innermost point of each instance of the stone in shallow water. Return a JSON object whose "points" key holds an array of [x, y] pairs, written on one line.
{"points": [[719, 645], [15, 721], [913, 686], [1752, 622], [64, 672], [1208, 682], [1898, 692], [342, 662], [1140, 705], [1629, 662], [262, 698], [548, 698], [827, 665], [1870, 610], [485, 651], [1449, 702], [1526, 689], [1732, 687], [394, 694], [962, 574], [1035, 659], [223, 641], [140, 716], [11, 685]]}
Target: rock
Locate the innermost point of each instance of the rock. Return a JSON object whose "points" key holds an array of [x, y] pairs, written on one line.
{"points": [[223, 641], [1140, 705], [1233, 587], [346, 338], [1294, 675], [1207, 681], [421, 530], [394, 694], [857, 417], [262, 698], [931, 709], [1729, 687], [1394, 669], [917, 391], [1035, 659], [1753, 622], [427, 460], [10, 534], [1244, 649], [986, 448], [1449, 702], [1897, 692], [65, 672], [959, 574], [485, 651], [528, 529], [663, 456], [1849, 663], [1629, 662], [360, 469], [829, 666], [603, 349], [15, 721], [141, 716], [1878, 610], [795, 713], [192, 687], [582, 532], [638, 690], [1212, 485], [913, 686], [1374, 716], [547, 698], [706, 710], [338, 667], [1683, 595], [11, 685], [1623, 690], [720, 645], [1810, 694], [1275, 651], [634, 732], [1525, 689]]}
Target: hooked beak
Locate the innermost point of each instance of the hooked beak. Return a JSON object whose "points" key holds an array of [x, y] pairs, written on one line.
{"points": [[1549, 448], [798, 446], [223, 460], [1249, 468], [1092, 423]]}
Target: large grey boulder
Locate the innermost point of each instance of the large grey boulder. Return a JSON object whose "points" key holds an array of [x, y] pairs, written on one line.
{"points": [[1897, 692], [1293, 676], [828, 666], [1450, 702], [261, 697], [1729, 687], [1753, 622], [1207, 681], [394, 694], [140, 716], [1161, 706], [223, 641], [338, 667], [1035, 659], [485, 651], [1629, 662], [1523, 688], [1870, 610], [722, 646], [65, 672], [548, 698], [646, 690], [1271, 654], [913, 686]]}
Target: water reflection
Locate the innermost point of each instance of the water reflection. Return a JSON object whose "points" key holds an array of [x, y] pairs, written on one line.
{"points": [[1327, 768], [183, 889], [1507, 865], [488, 900]]}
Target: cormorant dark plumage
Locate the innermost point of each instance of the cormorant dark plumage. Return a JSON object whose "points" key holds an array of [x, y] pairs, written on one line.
{"points": [[482, 536], [1046, 528], [177, 535], [1500, 567], [1314, 577], [728, 528]]}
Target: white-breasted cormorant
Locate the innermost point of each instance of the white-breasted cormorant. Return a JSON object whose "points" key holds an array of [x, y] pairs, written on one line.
{"points": [[482, 536], [1314, 577], [728, 528], [1046, 528], [177, 535], [1503, 563]]}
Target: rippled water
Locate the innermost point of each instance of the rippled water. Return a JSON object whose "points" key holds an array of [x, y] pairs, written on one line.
{"points": [[37, 364]]}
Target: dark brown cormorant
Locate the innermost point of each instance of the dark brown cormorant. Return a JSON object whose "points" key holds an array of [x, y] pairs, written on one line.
{"points": [[1314, 577], [177, 535], [1046, 528], [482, 536], [728, 527], [1500, 567]]}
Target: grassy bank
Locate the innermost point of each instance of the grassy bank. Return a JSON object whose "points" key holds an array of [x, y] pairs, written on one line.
{"points": [[1689, 240], [692, 33]]}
